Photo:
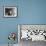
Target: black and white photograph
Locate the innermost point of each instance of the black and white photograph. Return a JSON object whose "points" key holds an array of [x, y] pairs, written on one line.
{"points": [[10, 11]]}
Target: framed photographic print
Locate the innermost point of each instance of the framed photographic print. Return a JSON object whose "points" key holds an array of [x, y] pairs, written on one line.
{"points": [[10, 11], [32, 32]]}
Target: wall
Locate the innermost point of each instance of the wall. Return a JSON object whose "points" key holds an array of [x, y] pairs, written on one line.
{"points": [[7, 25], [29, 12]]}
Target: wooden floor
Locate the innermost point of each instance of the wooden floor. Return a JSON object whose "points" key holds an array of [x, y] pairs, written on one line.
{"points": [[30, 43]]}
